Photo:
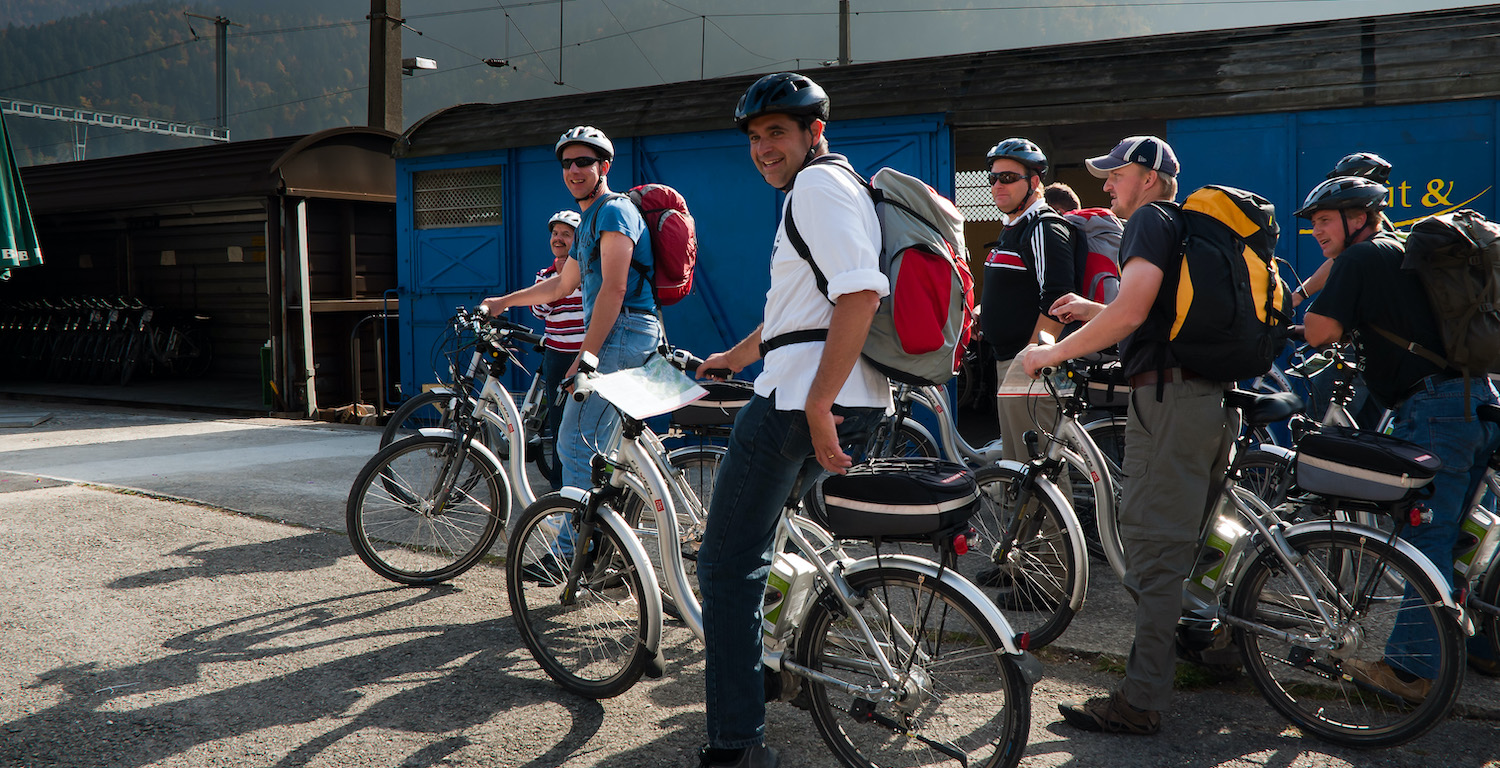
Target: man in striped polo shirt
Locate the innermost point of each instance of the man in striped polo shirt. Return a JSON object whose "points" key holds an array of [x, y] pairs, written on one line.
{"points": [[564, 328]]}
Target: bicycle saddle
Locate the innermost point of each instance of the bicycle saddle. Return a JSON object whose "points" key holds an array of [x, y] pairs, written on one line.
{"points": [[1490, 413], [1260, 410]]}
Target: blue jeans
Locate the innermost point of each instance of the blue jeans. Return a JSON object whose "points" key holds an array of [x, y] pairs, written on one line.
{"points": [[588, 427], [554, 368], [769, 452], [1439, 419]]}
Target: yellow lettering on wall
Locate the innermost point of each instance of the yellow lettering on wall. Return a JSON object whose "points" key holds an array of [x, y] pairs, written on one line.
{"points": [[1436, 196]]}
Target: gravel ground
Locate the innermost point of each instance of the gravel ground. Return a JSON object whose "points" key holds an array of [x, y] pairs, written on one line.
{"points": [[137, 631]]}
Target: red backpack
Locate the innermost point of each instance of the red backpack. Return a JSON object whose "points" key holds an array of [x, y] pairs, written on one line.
{"points": [[1098, 265], [674, 241]]}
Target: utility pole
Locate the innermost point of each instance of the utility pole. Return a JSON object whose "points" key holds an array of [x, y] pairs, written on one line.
{"points": [[221, 63], [385, 65], [843, 33]]}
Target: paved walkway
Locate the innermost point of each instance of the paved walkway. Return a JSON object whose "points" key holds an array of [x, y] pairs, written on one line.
{"points": [[139, 631]]}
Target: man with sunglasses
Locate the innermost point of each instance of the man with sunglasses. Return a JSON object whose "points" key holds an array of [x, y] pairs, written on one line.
{"points": [[618, 306], [1029, 268], [815, 394]]}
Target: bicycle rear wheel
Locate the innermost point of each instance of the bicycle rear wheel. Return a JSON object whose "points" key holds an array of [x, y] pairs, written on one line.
{"points": [[433, 408], [1030, 571], [1307, 678], [958, 699], [399, 529], [1108, 433], [1489, 623], [587, 639]]}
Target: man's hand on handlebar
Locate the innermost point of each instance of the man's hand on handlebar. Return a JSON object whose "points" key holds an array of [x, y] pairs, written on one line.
{"points": [[719, 366]]}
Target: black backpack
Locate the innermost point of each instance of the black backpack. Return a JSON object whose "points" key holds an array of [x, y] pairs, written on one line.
{"points": [[1231, 309], [1457, 258]]}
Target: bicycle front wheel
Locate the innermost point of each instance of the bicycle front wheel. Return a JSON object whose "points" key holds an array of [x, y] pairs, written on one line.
{"points": [[957, 697], [586, 637], [401, 526], [1301, 664], [1025, 560]]}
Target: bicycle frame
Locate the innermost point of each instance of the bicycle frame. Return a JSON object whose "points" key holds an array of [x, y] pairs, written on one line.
{"points": [[495, 406]]}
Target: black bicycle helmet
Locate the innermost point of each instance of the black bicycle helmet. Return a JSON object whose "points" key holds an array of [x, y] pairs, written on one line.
{"points": [[1344, 193], [1025, 152], [1366, 164], [784, 93]]}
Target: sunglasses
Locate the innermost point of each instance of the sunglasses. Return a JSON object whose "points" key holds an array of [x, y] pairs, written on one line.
{"points": [[1006, 177], [581, 162]]}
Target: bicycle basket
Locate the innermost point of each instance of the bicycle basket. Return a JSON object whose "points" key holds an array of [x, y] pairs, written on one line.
{"points": [[908, 499], [718, 408], [1354, 464]]}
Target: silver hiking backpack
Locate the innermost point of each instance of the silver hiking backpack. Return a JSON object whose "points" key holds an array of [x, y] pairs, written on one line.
{"points": [[923, 324]]}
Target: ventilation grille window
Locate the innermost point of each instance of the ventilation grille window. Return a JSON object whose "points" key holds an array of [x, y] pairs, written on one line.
{"points": [[973, 196], [457, 197]]}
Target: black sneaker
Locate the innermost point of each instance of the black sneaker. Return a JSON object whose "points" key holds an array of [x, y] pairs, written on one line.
{"points": [[758, 756]]}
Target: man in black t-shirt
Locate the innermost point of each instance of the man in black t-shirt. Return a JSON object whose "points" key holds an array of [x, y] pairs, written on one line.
{"points": [[1025, 272], [1177, 436], [1387, 309]]}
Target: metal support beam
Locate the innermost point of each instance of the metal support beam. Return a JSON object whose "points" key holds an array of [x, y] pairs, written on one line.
{"points": [[221, 63], [127, 122], [385, 65]]}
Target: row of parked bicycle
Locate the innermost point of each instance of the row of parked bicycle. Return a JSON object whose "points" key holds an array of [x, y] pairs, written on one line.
{"points": [[100, 340], [914, 647]]}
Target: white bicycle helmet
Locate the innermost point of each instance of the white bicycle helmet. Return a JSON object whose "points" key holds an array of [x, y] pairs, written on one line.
{"points": [[588, 135], [571, 218]]}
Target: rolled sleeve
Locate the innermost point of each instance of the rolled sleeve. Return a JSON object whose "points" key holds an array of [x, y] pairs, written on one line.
{"points": [[837, 219], [856, 280]]}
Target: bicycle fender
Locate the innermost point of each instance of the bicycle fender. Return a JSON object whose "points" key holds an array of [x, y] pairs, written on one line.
{"points": [[656, 666], [1405, 548], [929, 569], [1280, 452], [573, 493], [1070, 520], [476, 446]]}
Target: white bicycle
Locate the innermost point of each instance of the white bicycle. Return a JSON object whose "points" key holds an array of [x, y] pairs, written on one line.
{"points": [[899, 659]]}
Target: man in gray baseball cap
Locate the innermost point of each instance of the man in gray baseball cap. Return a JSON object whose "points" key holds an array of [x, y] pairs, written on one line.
{"points": [[1149, 151], [1177, 436]]}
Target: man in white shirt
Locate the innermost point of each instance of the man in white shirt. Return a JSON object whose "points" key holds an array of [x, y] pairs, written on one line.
{"points": [[815, 394]]}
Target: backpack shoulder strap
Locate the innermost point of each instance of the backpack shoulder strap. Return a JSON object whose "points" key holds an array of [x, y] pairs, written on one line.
{"points": [[799, 243], [1415, 349], [644, 271]]}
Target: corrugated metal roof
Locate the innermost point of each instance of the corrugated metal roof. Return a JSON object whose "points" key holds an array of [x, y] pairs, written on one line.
{"points": [[1384, 60], [352, 162]]}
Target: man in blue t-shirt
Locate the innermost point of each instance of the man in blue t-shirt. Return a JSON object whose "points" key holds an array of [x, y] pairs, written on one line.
{"points": [[611, 259]]}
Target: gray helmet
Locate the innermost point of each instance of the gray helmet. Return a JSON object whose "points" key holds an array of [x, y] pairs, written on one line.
{"points": [[589, 135], [784, 93], [1023, 151], [1366, 164], [571, 218], [1344, 193]]}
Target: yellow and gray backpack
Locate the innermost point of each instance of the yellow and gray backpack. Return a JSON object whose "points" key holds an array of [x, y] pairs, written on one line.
{"points": [[1231, 309]]}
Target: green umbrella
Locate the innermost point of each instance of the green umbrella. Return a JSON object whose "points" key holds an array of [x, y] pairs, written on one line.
{"points": [[18, 243]]}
